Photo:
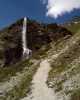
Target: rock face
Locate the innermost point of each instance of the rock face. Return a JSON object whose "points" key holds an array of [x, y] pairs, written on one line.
{"points": [[12, 43], [37, 35]]}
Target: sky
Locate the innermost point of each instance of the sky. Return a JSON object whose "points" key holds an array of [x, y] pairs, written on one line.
{"points": [[49, 11]]}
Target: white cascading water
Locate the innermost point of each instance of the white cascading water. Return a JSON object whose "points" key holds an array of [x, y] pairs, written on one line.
{"points": [[26, 51]]}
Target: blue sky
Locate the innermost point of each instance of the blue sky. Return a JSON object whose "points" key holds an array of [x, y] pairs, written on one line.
{"points": [[11, 10]]}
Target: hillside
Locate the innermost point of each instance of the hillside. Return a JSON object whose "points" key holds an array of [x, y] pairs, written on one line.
{"points": [[37, 36], [65, 73], [53, 70], [73, 25]]}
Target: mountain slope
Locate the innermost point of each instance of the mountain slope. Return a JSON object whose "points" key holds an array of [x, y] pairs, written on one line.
{"points": [[38, 35], [65, 73], [73, 25], [59, 46]]}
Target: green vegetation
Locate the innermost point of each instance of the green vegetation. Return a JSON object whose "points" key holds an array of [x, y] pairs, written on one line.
{"points": [[8, 71], [42, 52], [65, 72], [23, 87], [26, 69], [65, 67], [74, 24], [76, 95], [74, 28]]}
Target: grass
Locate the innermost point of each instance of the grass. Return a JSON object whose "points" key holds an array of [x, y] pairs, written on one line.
{"points": [[74, 28], [76, 95], [42, 53], [60, 74], [8, 71], [23, 87], [66, 67]]}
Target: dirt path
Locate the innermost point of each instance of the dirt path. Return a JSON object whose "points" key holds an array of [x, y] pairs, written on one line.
{"points": [[40, 90]]}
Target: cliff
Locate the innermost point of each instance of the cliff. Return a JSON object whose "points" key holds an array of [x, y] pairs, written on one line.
{"points": [[37, 36]]}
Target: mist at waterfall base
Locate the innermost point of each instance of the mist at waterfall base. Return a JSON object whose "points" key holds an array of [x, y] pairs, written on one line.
{"points": [[26, 51]]}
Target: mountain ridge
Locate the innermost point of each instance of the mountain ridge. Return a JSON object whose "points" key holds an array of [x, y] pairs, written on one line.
{"points": [[57, 45], [37, 35]]}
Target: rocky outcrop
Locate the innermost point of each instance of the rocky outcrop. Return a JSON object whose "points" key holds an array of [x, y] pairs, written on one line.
{"points": [[12, 43], [37, 35]]}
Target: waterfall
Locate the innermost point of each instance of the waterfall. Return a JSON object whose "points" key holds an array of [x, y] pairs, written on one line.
{"points": [[26, 51]]}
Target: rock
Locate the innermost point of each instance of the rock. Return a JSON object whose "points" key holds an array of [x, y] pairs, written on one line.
{"points": [[37, 35]]}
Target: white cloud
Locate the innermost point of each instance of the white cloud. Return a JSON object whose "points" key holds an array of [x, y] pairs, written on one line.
{"points": [[57, 8]]}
